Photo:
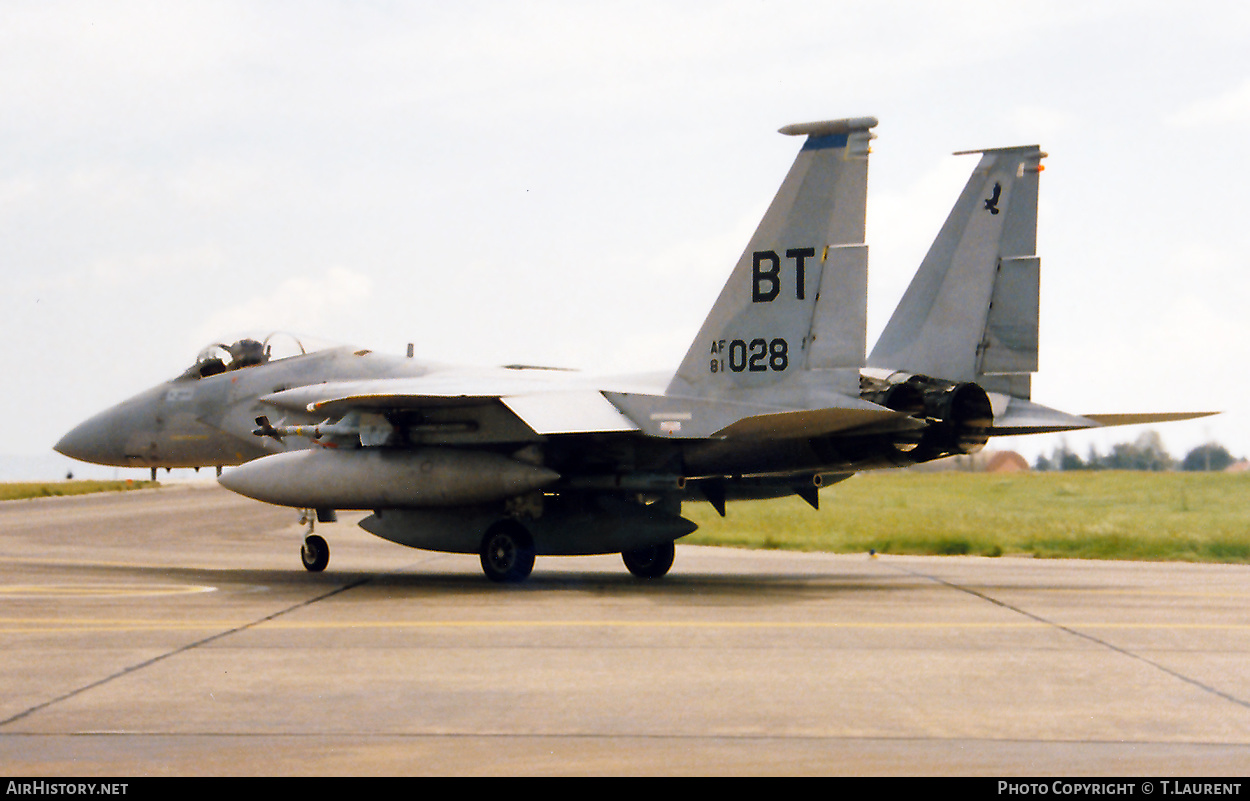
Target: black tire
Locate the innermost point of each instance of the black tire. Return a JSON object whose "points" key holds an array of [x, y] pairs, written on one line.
{"points": [[315, 553], [652, 562], [507, 552]]}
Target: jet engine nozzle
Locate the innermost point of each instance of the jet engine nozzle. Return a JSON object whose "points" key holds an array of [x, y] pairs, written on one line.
{"points": [[958, 415], [963, 419]]}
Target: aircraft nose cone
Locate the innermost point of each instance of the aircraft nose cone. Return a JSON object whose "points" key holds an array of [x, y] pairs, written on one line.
{"points": [[94, 441], [118, 435]]}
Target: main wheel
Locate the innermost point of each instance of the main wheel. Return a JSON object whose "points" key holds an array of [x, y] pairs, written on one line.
{"points": [[652, 562], [315, 553], [507, 552]]}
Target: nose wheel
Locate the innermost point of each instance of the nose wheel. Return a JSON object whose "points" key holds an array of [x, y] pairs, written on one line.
{"points": [[315, 552]]}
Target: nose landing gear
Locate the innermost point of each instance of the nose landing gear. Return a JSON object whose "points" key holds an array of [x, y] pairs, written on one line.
{"points": [[315, 552]]}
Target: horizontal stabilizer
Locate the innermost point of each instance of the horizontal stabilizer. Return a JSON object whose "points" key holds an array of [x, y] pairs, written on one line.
{"points": [[1138, 419], [1015, 416]]}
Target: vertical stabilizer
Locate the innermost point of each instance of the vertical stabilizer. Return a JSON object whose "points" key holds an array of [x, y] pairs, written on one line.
{"points": [[971, 312], [797, 298]]}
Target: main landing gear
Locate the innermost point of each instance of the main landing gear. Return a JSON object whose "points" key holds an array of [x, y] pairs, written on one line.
{"points": [[652, 562], [507, 552]]}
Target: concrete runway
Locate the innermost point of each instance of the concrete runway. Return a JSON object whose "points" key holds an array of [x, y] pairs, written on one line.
{"points": [[173, 632]]}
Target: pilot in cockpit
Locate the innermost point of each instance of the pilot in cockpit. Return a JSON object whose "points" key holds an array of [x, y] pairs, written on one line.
{"points": [[243, 353]]}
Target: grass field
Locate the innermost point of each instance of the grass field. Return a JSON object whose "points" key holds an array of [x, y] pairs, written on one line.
{"points": [[1085, 515], [1080, 515], [18, 490]]}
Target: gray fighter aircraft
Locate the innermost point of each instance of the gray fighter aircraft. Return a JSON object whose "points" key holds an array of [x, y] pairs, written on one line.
{"points": [[775, 397]]}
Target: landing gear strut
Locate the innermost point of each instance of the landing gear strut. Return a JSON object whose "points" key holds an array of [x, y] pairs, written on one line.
{"points": [[315, 553]]}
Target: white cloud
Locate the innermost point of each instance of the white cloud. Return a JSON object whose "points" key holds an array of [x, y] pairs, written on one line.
{"points": [[1038, 123], [1231, 107], [299, 304], [500, 177]]}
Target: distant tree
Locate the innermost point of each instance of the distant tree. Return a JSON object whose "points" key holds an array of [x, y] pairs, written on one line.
{"points": [[1068, 460], [1211, 456], [1145, 453]]}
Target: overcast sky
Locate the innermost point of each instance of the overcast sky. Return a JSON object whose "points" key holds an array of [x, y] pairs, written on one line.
{"points": [[569, 183]]}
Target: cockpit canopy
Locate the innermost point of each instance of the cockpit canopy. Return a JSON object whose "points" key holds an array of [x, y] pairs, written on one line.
{"points": [[249, 351]]}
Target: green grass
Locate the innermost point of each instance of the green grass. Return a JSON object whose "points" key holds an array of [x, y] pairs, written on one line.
{"points": [[1197, 517], [19, 490], [1087, 515]]}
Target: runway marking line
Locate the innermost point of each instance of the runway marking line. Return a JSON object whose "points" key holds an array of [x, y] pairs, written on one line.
{"points": [[1083, 631], [98, 590], [17, 625]]}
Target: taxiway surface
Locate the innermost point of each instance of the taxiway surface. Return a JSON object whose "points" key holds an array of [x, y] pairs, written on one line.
{"points": [[173, 632]]}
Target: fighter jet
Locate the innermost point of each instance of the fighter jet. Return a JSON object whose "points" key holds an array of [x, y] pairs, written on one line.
{"points": [[776, 396]]}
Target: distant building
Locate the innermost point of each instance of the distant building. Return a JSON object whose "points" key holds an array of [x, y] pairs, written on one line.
{"points": [[983, 462], [1006, 462]]}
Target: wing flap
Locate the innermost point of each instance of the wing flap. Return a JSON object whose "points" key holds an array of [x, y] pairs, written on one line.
{"points": [[818, 422], [678, 417], [573, 412]]}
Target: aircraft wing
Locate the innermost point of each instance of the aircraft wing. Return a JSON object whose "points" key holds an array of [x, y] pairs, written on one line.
{"points": [[566, 404], [335, 398], [545, 404]]}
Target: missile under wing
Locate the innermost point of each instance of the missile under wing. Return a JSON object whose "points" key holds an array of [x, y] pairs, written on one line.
{"points": [[776, 395]]}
